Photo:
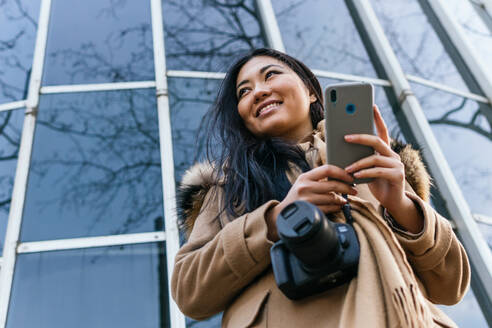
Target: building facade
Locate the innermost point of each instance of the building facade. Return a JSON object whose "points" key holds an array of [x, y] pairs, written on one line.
{"points": [[101, 111]]}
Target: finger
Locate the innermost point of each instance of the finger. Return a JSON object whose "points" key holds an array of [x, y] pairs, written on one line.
{"points": [[328, 171], [381, 127], [325, 187], [374, 161], [393, 175], [372, 141], [325, 199]]}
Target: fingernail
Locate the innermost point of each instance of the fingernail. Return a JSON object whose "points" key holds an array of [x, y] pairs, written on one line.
{"points": [[348, 168], [356, 174], [349, 137]]}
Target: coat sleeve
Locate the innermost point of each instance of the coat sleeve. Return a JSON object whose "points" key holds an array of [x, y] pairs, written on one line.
{"points": [[215, 264], [437, 257]]}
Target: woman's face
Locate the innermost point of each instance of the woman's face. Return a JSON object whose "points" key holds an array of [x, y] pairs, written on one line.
{"points": [[272, 99]]}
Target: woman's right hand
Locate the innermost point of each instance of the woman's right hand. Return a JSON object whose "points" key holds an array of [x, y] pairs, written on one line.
{"points": [[318, 187]]}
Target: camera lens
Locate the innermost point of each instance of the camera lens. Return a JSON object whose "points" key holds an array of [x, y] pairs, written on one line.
{"points": [[333, 95]]}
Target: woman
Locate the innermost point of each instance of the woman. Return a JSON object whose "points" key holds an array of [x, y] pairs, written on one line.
{"points": [[268, 115]]}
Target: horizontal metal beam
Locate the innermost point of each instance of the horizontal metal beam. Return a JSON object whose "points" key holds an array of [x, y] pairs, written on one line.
{"points": [[13, 105], [350, 77], [447, 89], [196, 75], [90, 242], [97, 87]]}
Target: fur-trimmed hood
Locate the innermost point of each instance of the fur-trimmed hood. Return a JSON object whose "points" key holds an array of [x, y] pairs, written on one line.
{"points": [[199, 178]]}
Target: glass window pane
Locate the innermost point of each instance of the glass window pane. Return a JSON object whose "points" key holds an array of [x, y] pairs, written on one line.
{"points": [[207, 35], [189, 100], [322, 35], [124, 286], [464, 136], [95, 166], [97, 41], [10, 135], [475, 29], [18, 24], [466, 313], [415, 43]]}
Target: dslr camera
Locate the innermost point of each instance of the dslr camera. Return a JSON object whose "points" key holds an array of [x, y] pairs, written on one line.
{"points": [[313, 254]]}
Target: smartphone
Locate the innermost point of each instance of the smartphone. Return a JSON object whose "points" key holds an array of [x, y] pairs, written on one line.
{"points": [[348, 110]]}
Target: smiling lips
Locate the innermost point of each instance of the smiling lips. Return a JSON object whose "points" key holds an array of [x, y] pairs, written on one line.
{"points": [[267, 107]]}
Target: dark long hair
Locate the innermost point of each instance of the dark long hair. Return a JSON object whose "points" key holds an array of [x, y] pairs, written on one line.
{"points": [[251, 170]]}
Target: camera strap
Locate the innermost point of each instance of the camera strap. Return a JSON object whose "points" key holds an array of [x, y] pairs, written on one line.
{"points": [[346, 209]]}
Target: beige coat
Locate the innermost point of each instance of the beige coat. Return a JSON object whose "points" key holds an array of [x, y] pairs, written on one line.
{"points": [[225, 266]]}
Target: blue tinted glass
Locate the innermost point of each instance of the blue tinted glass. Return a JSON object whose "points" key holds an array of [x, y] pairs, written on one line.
{"points": [[416, 45], [18, 24], [124, 287], [98, 41], [189, 100], [95, 166], [466, 313], [207, 35], [10, 135], [475, 29], [465, 137], [322, 35]]}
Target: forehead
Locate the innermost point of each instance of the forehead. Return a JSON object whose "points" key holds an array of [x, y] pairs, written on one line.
{"points": [[255, 64]]}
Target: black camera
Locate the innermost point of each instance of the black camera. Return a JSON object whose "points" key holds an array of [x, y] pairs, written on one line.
{"points": [[313, 254]]}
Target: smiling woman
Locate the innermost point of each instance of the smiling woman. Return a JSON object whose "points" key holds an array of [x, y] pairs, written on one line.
{"points": [[268, 118]]}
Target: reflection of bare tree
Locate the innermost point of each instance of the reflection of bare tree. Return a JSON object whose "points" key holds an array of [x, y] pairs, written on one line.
{"points": [[472, 124], [206, 35], [15, 49], [104, 156]]}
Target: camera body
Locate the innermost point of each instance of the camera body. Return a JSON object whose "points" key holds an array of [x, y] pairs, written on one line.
{"points": [[313, 253]]}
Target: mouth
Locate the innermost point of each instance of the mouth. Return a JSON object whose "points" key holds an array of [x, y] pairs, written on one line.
{"points": [[267, 107]]}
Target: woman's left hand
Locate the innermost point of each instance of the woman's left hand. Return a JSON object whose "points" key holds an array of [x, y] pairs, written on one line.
{"points": [[388, 172]]}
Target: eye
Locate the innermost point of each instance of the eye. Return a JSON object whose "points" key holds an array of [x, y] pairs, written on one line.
{"points": [[270, 73], [241, 92]]}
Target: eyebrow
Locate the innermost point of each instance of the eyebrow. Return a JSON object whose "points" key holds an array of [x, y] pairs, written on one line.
{"points": [[263, 69]]}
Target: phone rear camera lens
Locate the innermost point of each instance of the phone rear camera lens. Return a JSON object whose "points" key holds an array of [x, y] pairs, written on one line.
{"points": [[333, 95], [350, 109]]}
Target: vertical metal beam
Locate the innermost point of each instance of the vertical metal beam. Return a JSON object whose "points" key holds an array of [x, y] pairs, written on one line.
{"points": [[484, 10], [23, 163], [167, 161], [269, 25], [475, 244]]}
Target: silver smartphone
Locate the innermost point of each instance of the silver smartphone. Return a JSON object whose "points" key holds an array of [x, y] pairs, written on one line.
{"points": [[348, 110]]}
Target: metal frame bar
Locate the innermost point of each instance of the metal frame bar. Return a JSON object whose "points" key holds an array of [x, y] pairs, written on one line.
{"points": [[12, 105], [96, 87], [478, 251], [167, 161], [350, 77], [23, 164], [447, 89], [484, 10], [90, 242], [269, 25]]}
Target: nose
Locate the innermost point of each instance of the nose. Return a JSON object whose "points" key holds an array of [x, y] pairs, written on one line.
{"points": [[261, 91]]}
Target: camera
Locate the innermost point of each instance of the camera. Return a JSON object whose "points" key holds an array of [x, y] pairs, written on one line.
{"points": [[313, 254]]}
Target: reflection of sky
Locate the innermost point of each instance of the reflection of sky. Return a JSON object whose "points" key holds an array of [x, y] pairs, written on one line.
{"points": [[322, 35], [189, 100], [416, 45], [207, 35], [96, 41], [17, 37], [95, 287], [10, 132], [475, 29], [95, 166]]}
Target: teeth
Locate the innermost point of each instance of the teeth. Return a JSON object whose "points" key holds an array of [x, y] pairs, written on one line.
{"points": [[268, 107]]}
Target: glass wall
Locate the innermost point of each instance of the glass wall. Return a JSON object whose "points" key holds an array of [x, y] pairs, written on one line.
{"points": [[93, 193]]}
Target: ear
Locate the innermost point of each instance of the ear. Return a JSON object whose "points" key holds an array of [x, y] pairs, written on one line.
{"points": [[312, 98]]}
